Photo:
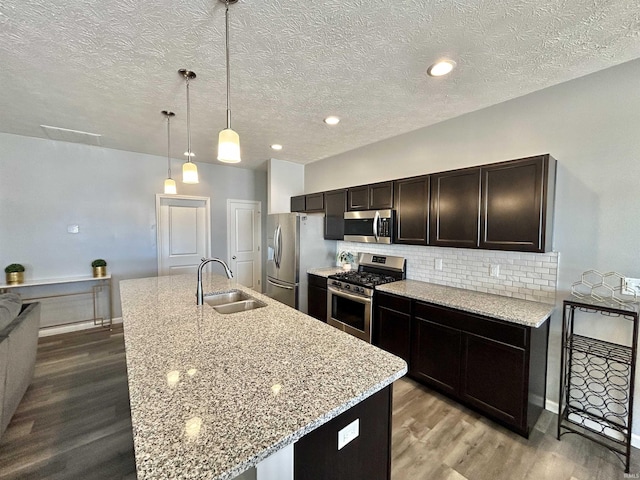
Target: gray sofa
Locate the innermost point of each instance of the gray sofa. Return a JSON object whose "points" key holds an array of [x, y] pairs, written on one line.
{"points": [[19, 326]]}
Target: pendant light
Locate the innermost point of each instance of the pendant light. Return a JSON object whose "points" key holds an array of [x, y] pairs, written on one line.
{"points": [[169, 183], [189, 169], [228, 140]]}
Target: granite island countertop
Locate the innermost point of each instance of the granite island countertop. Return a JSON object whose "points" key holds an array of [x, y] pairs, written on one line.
{"points": [[515, 310], [213, 395]]}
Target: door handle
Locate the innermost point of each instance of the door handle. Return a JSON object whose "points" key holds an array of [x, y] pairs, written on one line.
{"points": [[278, 285], [376, 219], [279, 245], [275, 246], [233, 258]]}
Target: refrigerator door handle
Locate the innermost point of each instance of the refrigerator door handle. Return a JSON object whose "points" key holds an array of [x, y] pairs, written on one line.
{"points": [[279, 245], [276, 260], [279, 285]]}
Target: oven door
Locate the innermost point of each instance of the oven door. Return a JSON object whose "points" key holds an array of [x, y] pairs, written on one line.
{"points": [[350, 313]]}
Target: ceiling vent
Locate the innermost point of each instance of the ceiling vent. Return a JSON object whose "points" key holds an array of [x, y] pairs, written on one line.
{"points": [[73, 136]]}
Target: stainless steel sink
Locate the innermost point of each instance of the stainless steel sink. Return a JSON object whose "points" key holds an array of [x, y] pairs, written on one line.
{"points": [[242, 306], [226, 297], [233, 302]]}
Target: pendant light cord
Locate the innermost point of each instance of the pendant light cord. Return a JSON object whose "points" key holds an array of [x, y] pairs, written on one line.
{"points": [[188, 125], [169, 144], [227, 58]]}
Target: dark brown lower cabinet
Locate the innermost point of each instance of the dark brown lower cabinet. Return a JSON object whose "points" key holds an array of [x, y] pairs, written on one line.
{"points": [[498, 368], [317, 297], [436, 356], [392, 324], [494, 378], [367, 457]]}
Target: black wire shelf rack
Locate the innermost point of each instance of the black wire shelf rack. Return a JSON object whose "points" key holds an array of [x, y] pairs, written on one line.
{"points": [[597, 380]]}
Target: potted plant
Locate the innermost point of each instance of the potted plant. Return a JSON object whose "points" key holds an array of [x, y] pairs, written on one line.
{"points": [[14, 273], [345, 259], [99, 267]]}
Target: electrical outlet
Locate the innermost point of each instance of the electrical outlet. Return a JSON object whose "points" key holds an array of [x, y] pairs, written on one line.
{"points": [[438, 264], [348, 433], [494, 270], [631, 286]]}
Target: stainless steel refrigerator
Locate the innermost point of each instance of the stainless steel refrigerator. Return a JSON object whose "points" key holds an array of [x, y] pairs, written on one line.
{"points": [[295, 244]]}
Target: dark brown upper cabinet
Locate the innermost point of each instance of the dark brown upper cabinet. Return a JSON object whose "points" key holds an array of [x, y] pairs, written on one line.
{"points": [[455, 208], [517, 204], [500, 206], [313, 202], [377, 196], [298, 203], [412, 210], [335, 204], [358, 198]]}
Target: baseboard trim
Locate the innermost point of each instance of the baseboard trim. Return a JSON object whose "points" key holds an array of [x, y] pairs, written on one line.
{"points": [[553, 408], [71, 327]]}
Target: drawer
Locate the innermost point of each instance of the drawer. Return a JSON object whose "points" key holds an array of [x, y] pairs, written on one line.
{"points": [[317, 281], [393, 302], [498, 330]]}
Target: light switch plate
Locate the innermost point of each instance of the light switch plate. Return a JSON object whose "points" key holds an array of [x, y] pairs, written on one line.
{"points": [[631, 286], [348, 433], [438, 264], [494, 270]]}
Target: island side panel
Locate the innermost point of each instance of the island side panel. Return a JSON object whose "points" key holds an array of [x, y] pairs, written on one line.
{"points": [[367, 457]]}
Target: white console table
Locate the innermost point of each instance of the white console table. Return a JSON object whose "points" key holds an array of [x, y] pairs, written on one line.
{"points": [[84, 282]]}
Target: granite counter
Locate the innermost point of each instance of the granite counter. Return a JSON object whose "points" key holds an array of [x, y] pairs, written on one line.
{"points": [[523, 312], [212, 395]]}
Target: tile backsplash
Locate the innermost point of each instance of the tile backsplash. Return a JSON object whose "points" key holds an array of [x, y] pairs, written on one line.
{"points": [[530, 276]]}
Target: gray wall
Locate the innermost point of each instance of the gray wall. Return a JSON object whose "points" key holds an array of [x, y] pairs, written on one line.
{"points": [[590, 125], [46, 185]]}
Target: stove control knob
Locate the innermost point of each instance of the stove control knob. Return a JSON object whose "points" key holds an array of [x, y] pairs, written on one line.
{"points": [[337, 284], [347, 287], [357, 289]]}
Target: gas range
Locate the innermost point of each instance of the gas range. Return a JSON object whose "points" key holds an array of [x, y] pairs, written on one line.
{"points": [[373, 270], [350, 294]]}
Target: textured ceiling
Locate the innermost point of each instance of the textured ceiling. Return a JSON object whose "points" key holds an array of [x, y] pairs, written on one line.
{"points": [[110, 66]]}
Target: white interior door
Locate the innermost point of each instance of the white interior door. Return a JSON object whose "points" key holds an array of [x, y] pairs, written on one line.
{"points": [[244, 242], [184, 234]]}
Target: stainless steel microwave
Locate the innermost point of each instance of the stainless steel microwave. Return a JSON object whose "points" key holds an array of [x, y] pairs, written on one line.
{"points": [[369, 226]]}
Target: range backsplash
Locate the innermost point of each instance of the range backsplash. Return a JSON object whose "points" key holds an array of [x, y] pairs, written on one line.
{"points": [[530, 276]]}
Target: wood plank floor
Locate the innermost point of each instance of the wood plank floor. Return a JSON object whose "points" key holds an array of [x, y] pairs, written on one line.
{"points": [[74, 423]]}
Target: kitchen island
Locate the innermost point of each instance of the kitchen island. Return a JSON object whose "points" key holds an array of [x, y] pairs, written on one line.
{"points": [[214, 395]]}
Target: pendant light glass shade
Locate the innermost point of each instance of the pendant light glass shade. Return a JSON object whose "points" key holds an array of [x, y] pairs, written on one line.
{"points": [[169, 183], [189, 172], [189, 169], [228, 146], [170, 186], [228, 140]]}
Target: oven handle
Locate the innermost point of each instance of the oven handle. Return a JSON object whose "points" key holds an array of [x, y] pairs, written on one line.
{"points": [[350, 296], [376, 219]]}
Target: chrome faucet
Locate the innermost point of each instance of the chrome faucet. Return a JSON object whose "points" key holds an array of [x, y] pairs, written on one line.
{"points": [[227, 270]]}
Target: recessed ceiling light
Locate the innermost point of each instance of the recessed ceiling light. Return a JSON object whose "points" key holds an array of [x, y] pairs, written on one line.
{"points": [[441, 68], [332, 120], [276, 146]]}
